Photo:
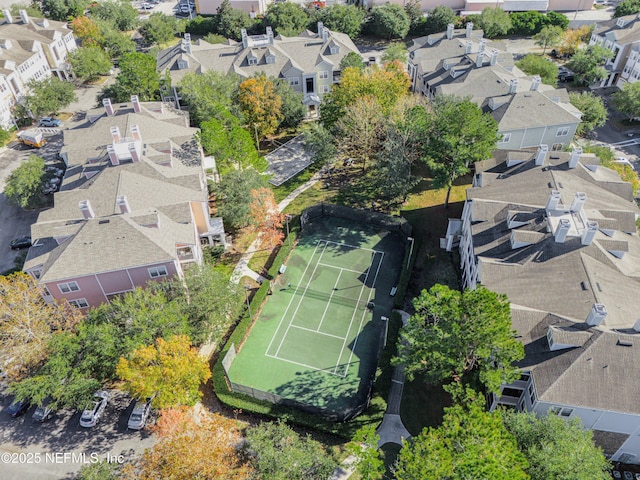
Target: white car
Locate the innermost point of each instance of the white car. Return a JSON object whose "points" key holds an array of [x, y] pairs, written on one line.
{"points": [[625, 161], [140, 413], [91, 415]]}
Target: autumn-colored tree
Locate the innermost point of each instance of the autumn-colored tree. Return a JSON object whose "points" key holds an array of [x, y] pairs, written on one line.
{"points": [[266, 218], [171, 369], [27, 323], [260, 104], [87, 31], [573, 38], [206, 449]]}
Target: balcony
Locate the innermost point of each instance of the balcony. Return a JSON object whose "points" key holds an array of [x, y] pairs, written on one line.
{"points": [[185, 254]]}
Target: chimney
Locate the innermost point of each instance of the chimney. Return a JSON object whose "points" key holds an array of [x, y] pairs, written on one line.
{"points": [[113, 156], [483, 45], [578, 202], [535, 82], [468, 46], [479, 58], [135, 156], [115, 134], [135, 133], [270, 35], [7, 15], [85, 208], [513, 85], [108, 107], [562, 230], [575, 156], [24, 16], [494, 57], [469, 30], [136, 102], [245, 37], [589, 233], [123, 204], [553, 201], [541, 154], [597, 314], [450, 31], [320, 29], [636, 326], [187, 43]]}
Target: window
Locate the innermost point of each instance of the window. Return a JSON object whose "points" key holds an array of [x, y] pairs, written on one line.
{"points": [[271, 59], [68, 287], [532, 394], [506, 138], [155, 272], [294, 82], [324, 75], [252, 61], [562, 132], [335, 49], [36, 274], [182, 64], [550, 338], [563, 412], [79, 303], [325, 88]]}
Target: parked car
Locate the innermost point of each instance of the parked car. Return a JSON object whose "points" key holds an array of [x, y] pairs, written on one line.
{"points": [[49, 188], [18, 407], [50, 122], [43, 412], [146, 6], [21, 242], [625, 161], [185, 9], [91, 415], [140, 414]]}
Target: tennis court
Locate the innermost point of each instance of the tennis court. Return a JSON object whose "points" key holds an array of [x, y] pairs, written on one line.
{"points": [[317, 339]]}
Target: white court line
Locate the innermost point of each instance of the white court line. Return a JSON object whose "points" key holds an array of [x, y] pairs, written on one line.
{"points": [[301, 298], [353, 246], [339, 268], [292, 297], [355, 341], [326, 307], [355, 310], [307, 366], [316, 331]]}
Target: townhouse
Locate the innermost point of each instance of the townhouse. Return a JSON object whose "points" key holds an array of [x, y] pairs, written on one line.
{"points": [[621, 36]]}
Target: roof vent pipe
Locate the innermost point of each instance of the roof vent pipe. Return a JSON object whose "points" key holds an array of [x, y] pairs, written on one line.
{"points": [[468, 46], [469, 29], [494, 57], [108, 107], [450, 31], [513, 85]]}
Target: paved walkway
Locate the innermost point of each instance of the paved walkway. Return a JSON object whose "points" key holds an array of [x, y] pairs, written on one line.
{"points": [[392, 430]]}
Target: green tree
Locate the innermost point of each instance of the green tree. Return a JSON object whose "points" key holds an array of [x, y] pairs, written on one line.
{"points": [[389, 21], [627, 100], [458, 135], [533, 64], [292, 109], [233, 196], [417, 21], [526, 23], [470, 443], [137, 76], [172, 370], [319, 141], [23, 185], [352, 59], [260, 104], [627, 7], [548, 36], [116, 44], [494, 21], [89, 63], [159, 28], [210, 96], [344, 18], [61, 10], [364, 446], [214, 39], [232, 145], [438, 20], [556, 19], [48, 96], [278, 452], [230, 21], [594, 112], [396, 51], [119, 13], [588, 64], [455, 333], [556, 448], [32, 9], [288, 19]]}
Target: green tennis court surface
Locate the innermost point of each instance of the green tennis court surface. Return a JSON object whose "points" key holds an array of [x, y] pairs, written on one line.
{"points": [[316, 341]]}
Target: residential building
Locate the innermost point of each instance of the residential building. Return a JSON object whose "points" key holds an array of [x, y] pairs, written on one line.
{"points": [[252, 7], [556, 233], [30, 49], [463, 63], [469, 7], [132, 207], [310, 62], [622, 36]]}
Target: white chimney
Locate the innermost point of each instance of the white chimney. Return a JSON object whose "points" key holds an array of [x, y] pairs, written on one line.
{"points": [[575, 156], [562, 230], [636, 326], [479, 59], [113, 156], [135, 133], [468, 46], [483, 45], [513, 85], [589, 233], [7, 15], [578, 202], [135, 156], [597, 314], [24, 16], [108, 107], [554, 200], [85, 208], [115, 134], [187, 43], [469, 29], [136, 103], [494, 57], [541, 154], [270, 35], [123, 204], [535, 82], [245, 37], [450, 31], [320, 29]]}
